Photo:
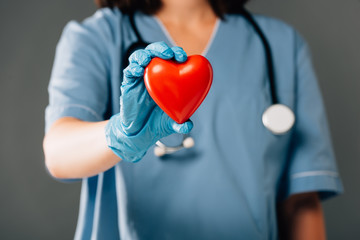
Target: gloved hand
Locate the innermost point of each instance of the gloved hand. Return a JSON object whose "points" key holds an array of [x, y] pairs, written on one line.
{"points": [[141, 122]]}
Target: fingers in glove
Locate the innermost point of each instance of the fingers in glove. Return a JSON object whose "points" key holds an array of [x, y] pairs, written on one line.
{"points": [[183, 128], [179, 54], [160, 49], [169, 126], [141, 57], [135, 102], [132, 73]]}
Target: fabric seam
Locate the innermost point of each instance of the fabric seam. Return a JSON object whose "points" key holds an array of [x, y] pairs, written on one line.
{"points": [[314, 173]]}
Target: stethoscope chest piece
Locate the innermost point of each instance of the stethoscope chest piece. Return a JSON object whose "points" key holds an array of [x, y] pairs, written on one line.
{"points": [[161, 149], [278, 118]]}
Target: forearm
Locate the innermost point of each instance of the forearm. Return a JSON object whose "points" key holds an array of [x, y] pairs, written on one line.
{"points": [[77, 149], [301, 217]]}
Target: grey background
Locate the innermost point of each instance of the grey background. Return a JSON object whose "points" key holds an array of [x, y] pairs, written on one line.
{"points": [[34, 206]]}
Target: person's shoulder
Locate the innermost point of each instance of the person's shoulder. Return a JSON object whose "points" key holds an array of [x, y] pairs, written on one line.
{"points": [[104, 17], [103, 25], [280, 34], [272, 27]]}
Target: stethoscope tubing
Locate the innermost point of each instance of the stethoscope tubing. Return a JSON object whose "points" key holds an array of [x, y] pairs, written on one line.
{"points": [[268, 54], [275, 106], [140, 43]]}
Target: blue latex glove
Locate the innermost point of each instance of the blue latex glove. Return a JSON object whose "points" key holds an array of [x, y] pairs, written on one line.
{"points": [[141, 122]]}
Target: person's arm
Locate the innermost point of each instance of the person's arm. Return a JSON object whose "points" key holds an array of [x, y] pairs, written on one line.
{"points": [[300, 217], [77, 149]]}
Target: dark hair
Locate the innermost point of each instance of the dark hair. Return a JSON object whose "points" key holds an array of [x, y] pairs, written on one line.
{"points": [[220, 7]]}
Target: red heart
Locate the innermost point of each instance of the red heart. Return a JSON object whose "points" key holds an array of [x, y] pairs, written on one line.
{"points": [[179, 88]]}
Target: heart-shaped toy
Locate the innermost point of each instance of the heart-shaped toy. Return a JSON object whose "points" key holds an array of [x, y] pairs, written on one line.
{"points": [[179, 88]]}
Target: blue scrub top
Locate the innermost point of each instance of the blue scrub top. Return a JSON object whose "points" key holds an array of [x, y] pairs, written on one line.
{"points": [[228, 185]]}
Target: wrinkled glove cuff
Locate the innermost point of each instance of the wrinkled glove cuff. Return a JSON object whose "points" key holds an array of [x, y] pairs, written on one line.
{"points": [[115, 139]]}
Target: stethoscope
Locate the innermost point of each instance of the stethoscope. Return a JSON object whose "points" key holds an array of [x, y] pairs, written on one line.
{"points": [[277, 118]]}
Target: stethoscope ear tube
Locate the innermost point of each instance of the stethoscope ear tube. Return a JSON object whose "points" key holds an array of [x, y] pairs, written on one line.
{"points": [[138, 44], [268, 54], [277, 118], [135, 46]]}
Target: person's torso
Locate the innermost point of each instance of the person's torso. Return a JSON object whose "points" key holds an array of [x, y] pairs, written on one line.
{"points": [[226, 186]]}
